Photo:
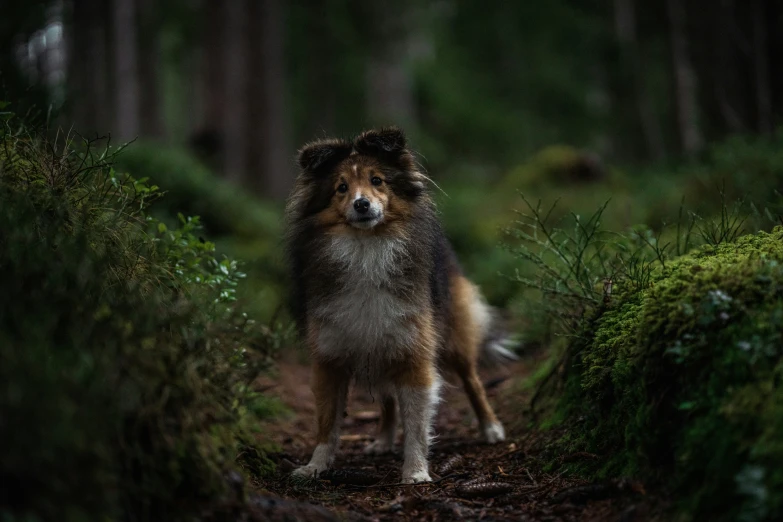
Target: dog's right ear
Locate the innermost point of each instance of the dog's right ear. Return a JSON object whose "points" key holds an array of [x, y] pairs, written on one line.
{"points": [[318, 157]]}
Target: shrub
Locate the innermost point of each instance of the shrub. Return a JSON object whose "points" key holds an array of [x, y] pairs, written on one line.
{"points": [[673, 355], [245, 227], [125, 365]]}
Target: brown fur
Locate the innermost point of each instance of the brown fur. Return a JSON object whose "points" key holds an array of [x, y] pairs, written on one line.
{"points": [[459, 354]]}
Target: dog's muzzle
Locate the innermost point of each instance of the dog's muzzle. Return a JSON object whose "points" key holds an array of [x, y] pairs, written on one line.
{"points": [[364, 214]]}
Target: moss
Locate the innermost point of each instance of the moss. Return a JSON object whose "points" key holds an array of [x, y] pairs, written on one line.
{"points": [[680, 382]]}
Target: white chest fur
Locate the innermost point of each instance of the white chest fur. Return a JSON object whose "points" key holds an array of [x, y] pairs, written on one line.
{"points": [[364, 322]]}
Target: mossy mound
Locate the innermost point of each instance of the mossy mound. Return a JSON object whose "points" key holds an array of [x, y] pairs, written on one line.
{"points": [[680, 383]]}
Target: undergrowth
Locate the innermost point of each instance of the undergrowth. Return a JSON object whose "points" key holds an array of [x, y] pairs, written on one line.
{"points": [[670, 364], [126, 366], [242, 225]]}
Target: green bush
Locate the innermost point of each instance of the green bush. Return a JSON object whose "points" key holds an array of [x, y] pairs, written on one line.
{"points": [[125, 364], [243, 226]]}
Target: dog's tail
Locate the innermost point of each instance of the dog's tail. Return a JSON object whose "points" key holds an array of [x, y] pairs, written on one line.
{"points": [[498, 345]]}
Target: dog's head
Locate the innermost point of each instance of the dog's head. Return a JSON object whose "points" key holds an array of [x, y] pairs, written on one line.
{"points": [[369, 182]]}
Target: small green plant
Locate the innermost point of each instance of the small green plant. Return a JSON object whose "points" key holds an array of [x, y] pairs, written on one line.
{"points": [[727, 227], [570, 264]]}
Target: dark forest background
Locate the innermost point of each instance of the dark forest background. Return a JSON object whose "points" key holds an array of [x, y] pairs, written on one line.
{"points": [[478, 85]]}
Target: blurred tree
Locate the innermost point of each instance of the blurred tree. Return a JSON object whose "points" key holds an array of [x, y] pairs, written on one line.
{"points": [[759, 13], [327, 49], [89, 96], [126, 70], [632, 62], [149, 67], [235, 68], [312, 27], [730, 65], [691, 140], [270, 162], [208, 138], [388, 73]]}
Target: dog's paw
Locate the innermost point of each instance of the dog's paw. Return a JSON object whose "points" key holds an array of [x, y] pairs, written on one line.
{"points": [[378, 447], [416, 477], [306, 472], [493, 433]]}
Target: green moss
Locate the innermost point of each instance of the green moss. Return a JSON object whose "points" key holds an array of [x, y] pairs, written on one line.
{"points": [[680, 382]]}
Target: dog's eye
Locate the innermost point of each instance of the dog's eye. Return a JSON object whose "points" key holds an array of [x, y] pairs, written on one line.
{"points": [[342, 188], [376, 181]]}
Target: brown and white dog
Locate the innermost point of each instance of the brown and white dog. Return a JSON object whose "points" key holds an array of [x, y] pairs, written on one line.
{"points": [[379, 297]]}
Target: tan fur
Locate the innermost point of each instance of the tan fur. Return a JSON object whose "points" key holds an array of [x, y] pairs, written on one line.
{"points": [[327, 388], [462, 352], [388, 416]]}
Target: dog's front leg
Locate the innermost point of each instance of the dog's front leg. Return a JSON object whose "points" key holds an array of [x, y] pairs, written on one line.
{"points": [[417, 409], [330, 387]]}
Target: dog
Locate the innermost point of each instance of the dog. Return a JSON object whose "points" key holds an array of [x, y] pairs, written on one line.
{"points": [[379, 297]]}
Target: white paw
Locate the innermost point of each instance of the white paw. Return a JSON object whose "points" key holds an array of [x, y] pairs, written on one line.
{"points": [[416, 477], [378, 447], [493, 433], [308, 471]]}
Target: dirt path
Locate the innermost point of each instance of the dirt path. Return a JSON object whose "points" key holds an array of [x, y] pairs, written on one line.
{"points": [[472, 481]]}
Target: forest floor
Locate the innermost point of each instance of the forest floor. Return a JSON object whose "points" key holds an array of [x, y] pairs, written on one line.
{"points": [[472, 481]]}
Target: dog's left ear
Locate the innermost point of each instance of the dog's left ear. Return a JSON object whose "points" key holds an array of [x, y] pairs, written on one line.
{"points": [[320, 156], [385, 142]]}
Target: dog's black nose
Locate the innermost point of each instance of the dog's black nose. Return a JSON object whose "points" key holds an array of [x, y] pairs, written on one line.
{"points": [[361, 205]]}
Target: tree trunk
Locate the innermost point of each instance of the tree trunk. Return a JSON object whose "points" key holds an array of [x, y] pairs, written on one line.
{"points": [[270, 160], [625, 30], [208, 140], [213, 28], [321, 63], [691, 140], [761, 67], [389, 80], [774, 23], [149, 66], [126, 78], [235, 109], [88, 72], [725, 79]]}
